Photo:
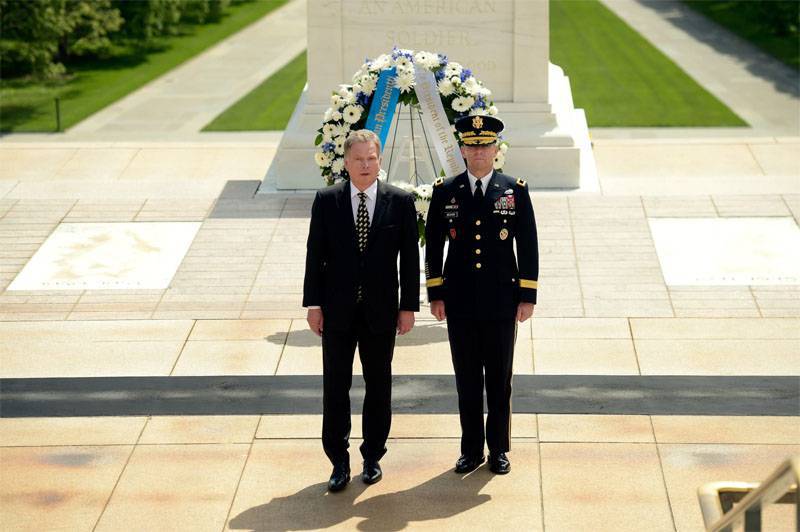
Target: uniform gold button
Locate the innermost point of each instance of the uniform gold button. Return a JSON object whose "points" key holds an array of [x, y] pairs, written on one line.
{"points": [[478, 265], [477, 222], [477, 237], [504, 220], [477, 251]]}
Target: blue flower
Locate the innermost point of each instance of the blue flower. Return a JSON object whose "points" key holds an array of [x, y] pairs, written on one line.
{"points": [[362, 99], [439, 74], [465, 74], [328, 146], [480, 102], [442, 59]]}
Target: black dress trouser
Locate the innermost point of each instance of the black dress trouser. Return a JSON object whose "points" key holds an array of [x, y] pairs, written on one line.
{"points": [[479, 346], [375, 351]]}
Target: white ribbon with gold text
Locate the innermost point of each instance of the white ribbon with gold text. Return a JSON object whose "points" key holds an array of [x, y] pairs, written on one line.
{"points": [[435, 120]]}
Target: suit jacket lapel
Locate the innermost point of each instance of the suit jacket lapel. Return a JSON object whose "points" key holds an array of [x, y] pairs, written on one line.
{"points": [[345, 207], [381, 201]]}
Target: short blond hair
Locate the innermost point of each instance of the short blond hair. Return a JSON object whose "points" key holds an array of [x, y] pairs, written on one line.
{"points": [[361, 135]]}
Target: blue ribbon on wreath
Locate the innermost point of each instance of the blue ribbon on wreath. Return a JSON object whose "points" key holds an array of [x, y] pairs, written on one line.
{"points": [[384, 103]]}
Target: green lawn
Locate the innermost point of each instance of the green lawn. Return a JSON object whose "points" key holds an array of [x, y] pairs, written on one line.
{"points": [[737, 18], [28, 107], [269, 106], [620, 79]]}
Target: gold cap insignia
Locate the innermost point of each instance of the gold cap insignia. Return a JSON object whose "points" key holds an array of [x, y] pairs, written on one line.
{"points": [[477, 122]]}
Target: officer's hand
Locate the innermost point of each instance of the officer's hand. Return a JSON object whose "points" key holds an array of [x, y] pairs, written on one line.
{"points": [[437, 309], [524, 311], [314, 319], [405, 321]]}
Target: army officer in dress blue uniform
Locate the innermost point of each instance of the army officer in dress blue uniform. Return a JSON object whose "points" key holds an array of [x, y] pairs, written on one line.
{"points": [[484, 289]]}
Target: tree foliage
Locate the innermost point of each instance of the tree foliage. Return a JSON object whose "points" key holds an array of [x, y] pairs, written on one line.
{"points": [[40, 37]]}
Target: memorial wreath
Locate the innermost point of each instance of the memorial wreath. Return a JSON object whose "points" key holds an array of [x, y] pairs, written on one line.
{"points": [[461, 94]]}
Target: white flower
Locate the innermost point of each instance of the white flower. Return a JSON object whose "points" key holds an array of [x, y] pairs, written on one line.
{"points": [[452, 69], [492, 110], [404, 185], [456, 81], [336, 101], [381, 62], [337, 166], [336, 116], [368, 83], [382, 174], [463, 103], [503, 148], [421, 205], [424, 191], [403, 63], [483, 91], [477, 111], [339, 145], [427, 59], [328, 115], [405, 81], [322, 159], [328, 129], [341, 130], [471, 86], [445, 87], [347, 96], [499, 160], [352, 113]]}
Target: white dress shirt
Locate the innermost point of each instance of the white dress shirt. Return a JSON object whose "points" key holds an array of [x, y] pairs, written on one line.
{"points": [[372, 194], [484, 180]]}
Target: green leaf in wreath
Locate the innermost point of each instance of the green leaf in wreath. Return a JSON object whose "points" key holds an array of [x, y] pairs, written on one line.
{"points": [[318, 140]]}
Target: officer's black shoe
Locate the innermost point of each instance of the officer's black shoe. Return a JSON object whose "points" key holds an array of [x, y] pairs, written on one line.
{"points": [[499, 463], [339, 478], [372, 472], [467, 463]]}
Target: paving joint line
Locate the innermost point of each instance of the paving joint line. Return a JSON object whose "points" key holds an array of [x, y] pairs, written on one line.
{"points": [[575, 255], [241, 473], [122, 472]]}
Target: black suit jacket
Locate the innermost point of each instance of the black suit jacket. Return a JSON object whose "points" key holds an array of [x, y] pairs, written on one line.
{"points": [[482, 277], [335, 267]]}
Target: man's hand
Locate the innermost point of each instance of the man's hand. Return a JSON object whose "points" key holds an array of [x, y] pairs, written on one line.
{"points": [[314, 319], [524, 311], [405, 321], [437, 309]]}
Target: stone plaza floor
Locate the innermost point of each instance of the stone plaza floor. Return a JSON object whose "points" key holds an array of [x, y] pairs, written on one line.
{"points": [[195, 406], [157, 373]]}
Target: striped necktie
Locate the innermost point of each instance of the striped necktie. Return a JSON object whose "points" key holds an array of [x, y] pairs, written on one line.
{"points": [[362, 222], [362, 231]]}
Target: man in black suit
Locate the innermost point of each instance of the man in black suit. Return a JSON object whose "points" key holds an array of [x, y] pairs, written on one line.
{"points": [[484, 288], [358, 228]]}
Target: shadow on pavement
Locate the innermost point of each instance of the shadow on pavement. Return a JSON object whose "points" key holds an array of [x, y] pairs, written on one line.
{"points": [[311, 508], [421, 334]]}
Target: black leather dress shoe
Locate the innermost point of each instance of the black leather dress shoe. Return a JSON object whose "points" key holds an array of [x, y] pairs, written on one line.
{"points": [[499, 463], [339, 478], [372, 472], [467, 463]]}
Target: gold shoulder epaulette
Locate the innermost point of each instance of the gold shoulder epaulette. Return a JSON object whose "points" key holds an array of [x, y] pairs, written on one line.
{"points": [[438, 182], [521, 182]]}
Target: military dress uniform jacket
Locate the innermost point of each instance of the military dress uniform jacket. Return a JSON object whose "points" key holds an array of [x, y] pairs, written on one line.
{"points": [[482, 277]]}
